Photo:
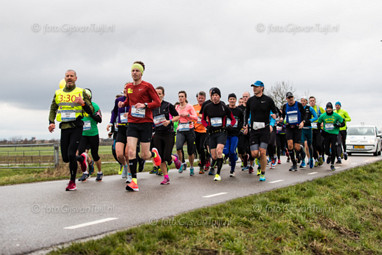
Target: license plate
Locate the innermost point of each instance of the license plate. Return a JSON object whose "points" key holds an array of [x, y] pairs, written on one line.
{"points": [[359, 147]]}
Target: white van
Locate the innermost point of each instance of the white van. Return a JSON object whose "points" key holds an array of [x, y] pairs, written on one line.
{"points": [[363, 139]]}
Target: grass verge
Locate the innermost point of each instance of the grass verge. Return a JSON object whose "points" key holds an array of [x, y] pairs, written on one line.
{"points": [[339, 214]]}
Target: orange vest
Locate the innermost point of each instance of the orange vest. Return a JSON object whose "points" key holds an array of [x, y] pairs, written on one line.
{"points": [[198, 124]]}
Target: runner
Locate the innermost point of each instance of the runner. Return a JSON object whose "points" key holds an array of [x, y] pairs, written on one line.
{"points": [[271, 149], [141, 98], [343, 133], [318, 150], [200, 132], [258, 110], [119, 115], [67, 107], [306, 138], [281, 139], [163, 138], [331, 124], [90, 138], [233, 132], [243, 143], [295, 119], [215, 117], [185, 132]]}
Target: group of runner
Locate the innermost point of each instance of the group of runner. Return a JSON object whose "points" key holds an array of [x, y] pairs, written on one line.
{"points": [[254, 130]]}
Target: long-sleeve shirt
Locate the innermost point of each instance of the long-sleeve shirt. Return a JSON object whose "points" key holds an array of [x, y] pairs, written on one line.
{"points": [[345, 115], [215, 116], [187, 109], [118, 114], [258, 110], [88, 108], [141, 93]]}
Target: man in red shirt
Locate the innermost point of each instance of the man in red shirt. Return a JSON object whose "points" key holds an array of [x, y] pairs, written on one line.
{"points": [[142, 98]]}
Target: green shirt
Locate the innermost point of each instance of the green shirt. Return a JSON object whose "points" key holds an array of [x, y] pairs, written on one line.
{"points": [[329, 121], [90, 125], [345, 115]]}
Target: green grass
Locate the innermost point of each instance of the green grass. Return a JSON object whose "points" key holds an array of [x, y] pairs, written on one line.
{"points": [[339, 214]]}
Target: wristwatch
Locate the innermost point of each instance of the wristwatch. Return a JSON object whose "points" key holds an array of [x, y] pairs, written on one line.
{"points": [[145, 105]]}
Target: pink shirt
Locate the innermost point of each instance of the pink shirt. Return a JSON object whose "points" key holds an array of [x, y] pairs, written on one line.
{"points": [[187, 109]]}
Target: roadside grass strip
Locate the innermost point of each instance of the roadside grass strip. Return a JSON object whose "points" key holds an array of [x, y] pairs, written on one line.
{"points": [[338, 214]]}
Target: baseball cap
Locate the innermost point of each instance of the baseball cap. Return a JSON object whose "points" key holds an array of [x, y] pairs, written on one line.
{"points": [[258, 84], [289, 94]]}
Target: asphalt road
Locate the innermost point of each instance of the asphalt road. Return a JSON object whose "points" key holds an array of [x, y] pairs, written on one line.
{"points": [[41, 215]]}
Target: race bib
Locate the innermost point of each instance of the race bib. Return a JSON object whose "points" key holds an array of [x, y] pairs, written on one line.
{"points": [[184, 127], [258, 125], [278, 128], [229, 122], [68, 116], [199, 120], [159, 120], [329, 126], [87, 125], [216, 122], [123, 118], [314, 125], [138, 112], [293, 118]]}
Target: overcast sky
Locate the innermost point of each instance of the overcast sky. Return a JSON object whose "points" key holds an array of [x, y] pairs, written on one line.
{"points": [[328, 49]]}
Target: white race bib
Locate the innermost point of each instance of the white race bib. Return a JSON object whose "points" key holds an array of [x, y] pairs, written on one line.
{"points": [[123, 118], [279, 128], [159, 120], [68, 116], [258, 125], [329, 126], [87, 125], [199, 120], [184, 127], [216, 122], [138, 112], [314, 125]]}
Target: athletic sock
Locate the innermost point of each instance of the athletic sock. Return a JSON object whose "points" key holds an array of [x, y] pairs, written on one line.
{"points": [[133, 167], [262, 172], [220, 164], [245, 159]]}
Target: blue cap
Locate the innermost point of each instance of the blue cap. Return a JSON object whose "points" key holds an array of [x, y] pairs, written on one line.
{"points": [[258, 84], [338, 103]]}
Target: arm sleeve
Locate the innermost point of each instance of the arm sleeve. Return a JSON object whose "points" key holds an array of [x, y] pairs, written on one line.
{"points": [[88, 107], [193, 115], [204, 121], [347, 117], [114, 112], [283, 113], [247, 112], [230, 115], [315, 117], [154, 97], [173, 111], [272, 121], [97, 116], [302, 111]]}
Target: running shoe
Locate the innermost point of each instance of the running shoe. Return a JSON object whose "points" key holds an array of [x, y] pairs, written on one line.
{"points": [[84, 177], [120, 169], [201, 171], [279, 161], [132, 186], [84, 162], [182, 167], [232, 174], [303, 164], [154, 170], [177, 162], [207, 166], [160, 173], [345, 156], [217, 177], [124, 173], [244, 168], [262, 178], [91, 167], [258, 172], [71, 186], [288, 160], [157, 159], [328, 160], [129, 178], [311, 163], [332, 168], [250, 170], [211, 172], [99, 177], [191, 171], [339, 161], [293, 167], [141, 164], [165, 181], [320, 161]]}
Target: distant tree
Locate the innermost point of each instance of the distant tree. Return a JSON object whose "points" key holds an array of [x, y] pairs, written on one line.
{"points": [[278, 91]]}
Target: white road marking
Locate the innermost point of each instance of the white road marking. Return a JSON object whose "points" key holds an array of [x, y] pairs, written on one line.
{"points": [[214, 195], [313, 173], [276, 181], [90, 223]]}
